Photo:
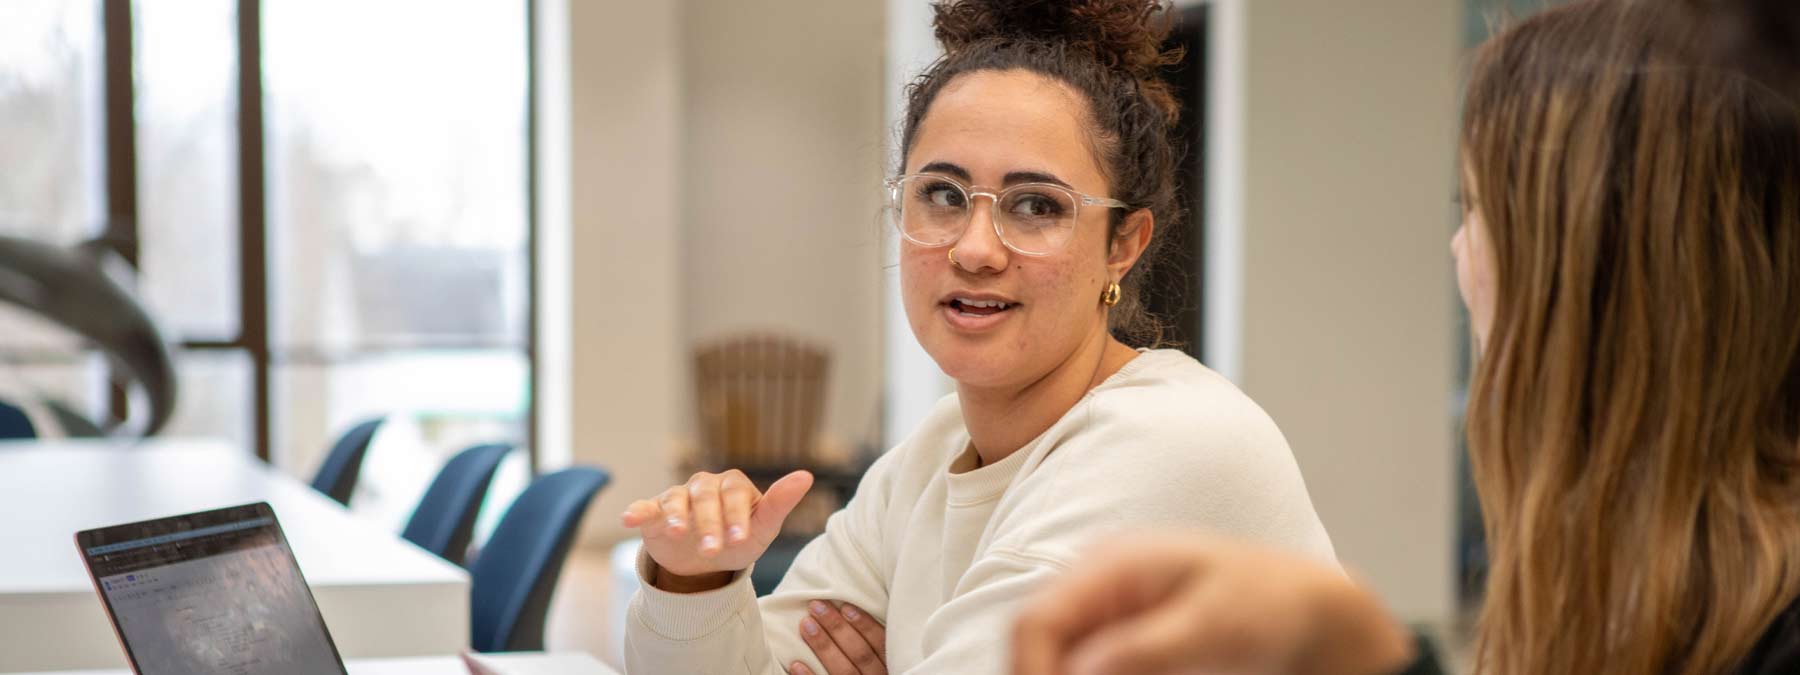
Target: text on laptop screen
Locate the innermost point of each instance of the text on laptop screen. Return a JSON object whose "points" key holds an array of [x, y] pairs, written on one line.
{"points": [[219, 598]]}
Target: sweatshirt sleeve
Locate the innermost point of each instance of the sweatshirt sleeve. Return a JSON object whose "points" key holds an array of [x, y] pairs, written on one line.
{"points": [[729, 631]]}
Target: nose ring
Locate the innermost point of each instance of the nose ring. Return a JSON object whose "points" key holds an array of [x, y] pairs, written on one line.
{"points": [[953, 258]]}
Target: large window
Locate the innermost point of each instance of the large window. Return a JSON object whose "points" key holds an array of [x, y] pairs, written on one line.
{"points": [[184, 111], [52, 185], [397, 181], [51, 119], [343, 233]]}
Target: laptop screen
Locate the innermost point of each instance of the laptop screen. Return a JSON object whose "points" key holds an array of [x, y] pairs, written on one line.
{"points": [[213, 593]]}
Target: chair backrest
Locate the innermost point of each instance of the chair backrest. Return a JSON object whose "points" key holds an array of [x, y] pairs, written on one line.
{"points": [[516, 571], [337, 475], [761, 400], [14, 424], [445, 518]]}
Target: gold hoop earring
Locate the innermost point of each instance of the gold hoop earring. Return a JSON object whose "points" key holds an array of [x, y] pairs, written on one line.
{"points": [[953, 262], [1111, 296]]}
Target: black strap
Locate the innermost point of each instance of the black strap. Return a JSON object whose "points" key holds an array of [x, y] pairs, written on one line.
{"points": [[1426, 660]]}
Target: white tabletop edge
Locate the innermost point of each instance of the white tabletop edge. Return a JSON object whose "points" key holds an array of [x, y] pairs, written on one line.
{"points": [[552, 663]]}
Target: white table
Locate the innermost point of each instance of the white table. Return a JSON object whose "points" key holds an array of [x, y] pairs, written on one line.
{"points": [[505, 664], [381, 596]]}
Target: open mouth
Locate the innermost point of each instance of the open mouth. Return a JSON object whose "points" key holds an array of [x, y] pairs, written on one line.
{"points": [[973, 308]]}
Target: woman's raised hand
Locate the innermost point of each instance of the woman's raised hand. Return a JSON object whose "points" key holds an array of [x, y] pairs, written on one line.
{"points": [[715, 524], [1167, 605]]}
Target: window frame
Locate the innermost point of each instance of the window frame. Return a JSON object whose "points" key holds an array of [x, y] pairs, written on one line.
{"points": [[253, 337]]}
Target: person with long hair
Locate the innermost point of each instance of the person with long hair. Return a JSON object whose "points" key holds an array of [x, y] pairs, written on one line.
{"points": [[1630, 258], [1036, 170]]}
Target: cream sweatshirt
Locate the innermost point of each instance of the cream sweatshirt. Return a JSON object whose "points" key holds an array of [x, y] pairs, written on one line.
{"points": [[944, 553]]}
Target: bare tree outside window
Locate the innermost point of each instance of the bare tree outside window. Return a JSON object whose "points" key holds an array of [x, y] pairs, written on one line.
{"points": [[398, 227], [51, 178]]}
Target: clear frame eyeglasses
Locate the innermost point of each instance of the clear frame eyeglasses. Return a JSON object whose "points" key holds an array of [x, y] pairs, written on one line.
{"points": [[1034, 219]]}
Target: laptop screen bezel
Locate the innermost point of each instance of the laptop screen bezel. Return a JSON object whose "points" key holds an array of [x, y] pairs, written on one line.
{"points": [[188, 522]]}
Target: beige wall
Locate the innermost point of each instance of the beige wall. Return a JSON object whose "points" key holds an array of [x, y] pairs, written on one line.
{"points": [[625, 268], [723, 175], [1348, 123], [782, 162]]}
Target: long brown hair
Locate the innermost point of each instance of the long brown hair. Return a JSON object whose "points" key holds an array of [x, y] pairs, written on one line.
{"points": [[1634, 423]]}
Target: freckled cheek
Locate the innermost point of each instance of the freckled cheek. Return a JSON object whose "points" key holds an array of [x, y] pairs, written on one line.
{"points": [[917, 278], [1051, 289]]}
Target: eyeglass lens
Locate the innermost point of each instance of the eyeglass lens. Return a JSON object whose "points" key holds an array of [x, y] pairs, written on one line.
{"points": [[1033, 219]]}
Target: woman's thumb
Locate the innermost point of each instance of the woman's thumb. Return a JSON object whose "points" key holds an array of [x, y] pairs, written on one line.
{"points": [[778, 502]]}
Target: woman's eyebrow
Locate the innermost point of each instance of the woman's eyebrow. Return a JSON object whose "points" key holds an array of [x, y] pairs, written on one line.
{"points": [[1016, 177], [1012, 178], [946, 167]]}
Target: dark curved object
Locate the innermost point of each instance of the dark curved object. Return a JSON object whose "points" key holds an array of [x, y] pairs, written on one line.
{"points": [[1425, 657], [68, 287], [516, 572], [74, 424], [337, 476], [14, 425], [444, 521]]}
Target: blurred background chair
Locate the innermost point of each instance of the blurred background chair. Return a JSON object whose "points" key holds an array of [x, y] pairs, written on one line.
{"points": [[337, 475], [761, 398], [761, 402], [14, 425], [517, 570], [444, 522]]}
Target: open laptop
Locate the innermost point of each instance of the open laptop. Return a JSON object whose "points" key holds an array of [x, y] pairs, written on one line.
{"points": [[209, 593]]}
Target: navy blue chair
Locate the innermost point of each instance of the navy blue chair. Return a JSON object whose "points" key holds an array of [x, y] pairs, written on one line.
{"points": [[337, 476], [516, 571], [14, 425], [445, 518]]}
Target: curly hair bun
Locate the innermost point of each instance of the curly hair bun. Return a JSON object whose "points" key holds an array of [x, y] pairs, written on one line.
{"points": [[1127, 35]]}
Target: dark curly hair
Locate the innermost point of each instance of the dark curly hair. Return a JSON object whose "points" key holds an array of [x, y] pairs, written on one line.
{"points": [[1112, 53]]}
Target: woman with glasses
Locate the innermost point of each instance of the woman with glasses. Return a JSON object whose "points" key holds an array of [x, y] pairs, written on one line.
{"points": [[1037, 169]]}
